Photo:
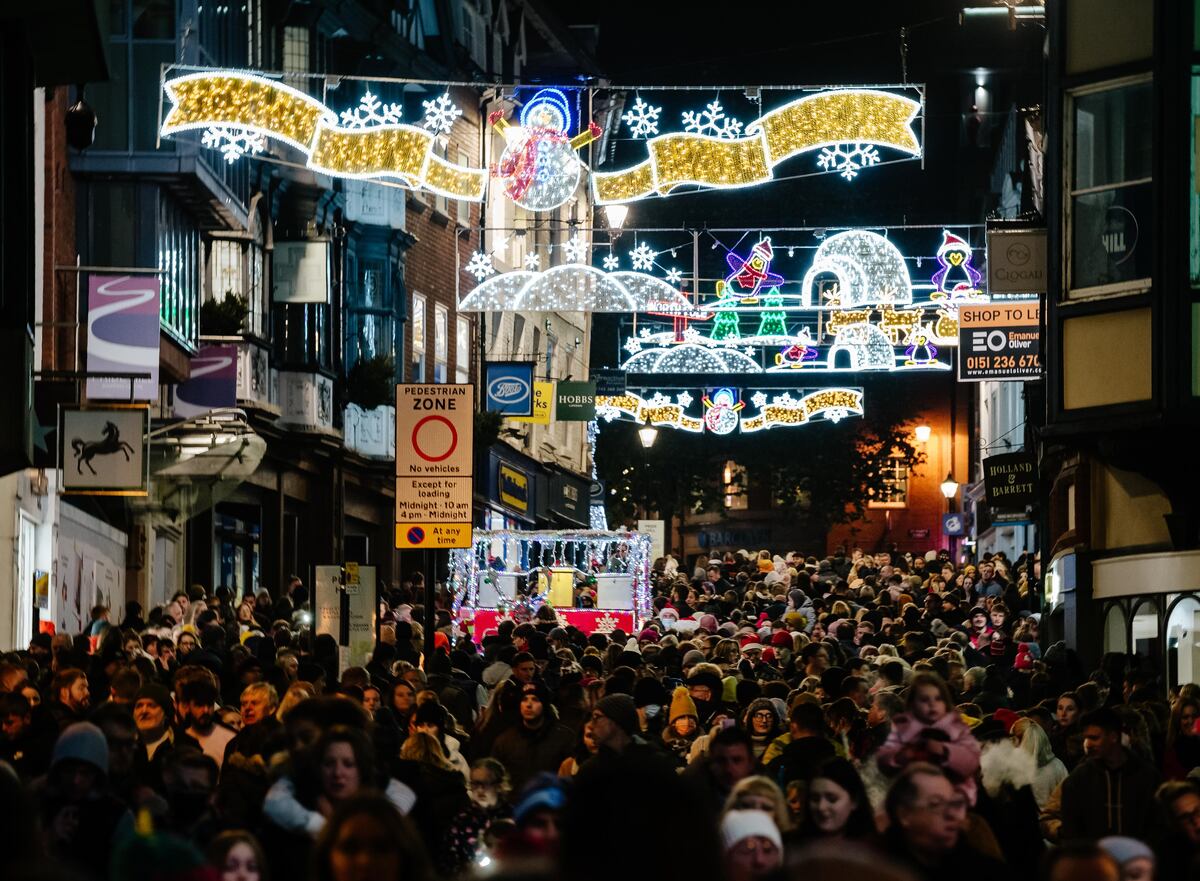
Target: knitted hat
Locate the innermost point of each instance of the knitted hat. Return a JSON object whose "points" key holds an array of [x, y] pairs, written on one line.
{"points": [[621, 709], [1006, 717], [1124, 850], [709, 623], [83, 742], [781, 639], [159, 694], [682, 704], [728, 691], [737, 826]]}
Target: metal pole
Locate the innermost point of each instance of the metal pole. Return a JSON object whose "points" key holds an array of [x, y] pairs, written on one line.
{"points": [[430, 613]]}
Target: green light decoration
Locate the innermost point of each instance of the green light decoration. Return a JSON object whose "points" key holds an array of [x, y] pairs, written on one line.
{"points": [[773, 320]]}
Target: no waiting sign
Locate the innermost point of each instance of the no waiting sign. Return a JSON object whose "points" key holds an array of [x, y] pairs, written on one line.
{"points": [[435, 456], [998, 341]]}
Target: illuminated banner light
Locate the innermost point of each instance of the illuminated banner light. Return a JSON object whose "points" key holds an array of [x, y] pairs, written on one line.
{"points": [[724, 411], [571, 287], [236, 110], [843, 123]]}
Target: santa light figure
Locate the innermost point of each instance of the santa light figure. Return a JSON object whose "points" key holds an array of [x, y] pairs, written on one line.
{"points": [[540, 164], [955, 278]]}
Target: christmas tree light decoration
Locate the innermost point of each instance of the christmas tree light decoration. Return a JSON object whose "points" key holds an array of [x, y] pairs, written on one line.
{"points": [[233, 143], [364, 149], [533, 260], [712, 120], [643, 257], [956, 278], [833, 404], [869, 269], [727, 325], [642, 119], [674, 276], [611, 262], [575, 249], [710, 153], [480, 265], [721, 410], [540, 166], [848, 159], [773, 319], [371, 112], [574, 287], [440, 114]]}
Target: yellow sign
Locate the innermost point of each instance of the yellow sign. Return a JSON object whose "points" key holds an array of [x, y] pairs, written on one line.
{"points": [[543, 403], [351, 573], [514, 488], [433, 535]]}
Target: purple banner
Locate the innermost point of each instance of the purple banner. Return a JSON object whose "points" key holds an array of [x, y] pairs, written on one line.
{"points": [[123, 335], [213, 382]]}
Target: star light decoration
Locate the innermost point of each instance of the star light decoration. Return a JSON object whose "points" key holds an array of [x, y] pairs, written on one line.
{"points": [[440, 114], [759, 399], [533, 260], [480, 265], [712, 120], [611, 262], [674, 276], [370, 112], [575, 249], [234, 143], [642, 119], [848, 159], [643, 257], [684, 399]]}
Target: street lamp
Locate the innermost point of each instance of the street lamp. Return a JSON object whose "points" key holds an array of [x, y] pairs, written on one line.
{"points": [[648, 435], [923, 433], [616, 215], [949, 486]]}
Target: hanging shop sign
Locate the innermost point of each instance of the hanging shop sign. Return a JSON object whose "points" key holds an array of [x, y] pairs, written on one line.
{"points": [[123, 336], [1010, 482], [103, 450], [540, 166], [608, 382], [954, 524], [723, 410], [435, 458], [1016, 261], [512, 487], [575, 402], [509, 387], [1000, 341], [543, 404], [211, 383], [570, 498]]}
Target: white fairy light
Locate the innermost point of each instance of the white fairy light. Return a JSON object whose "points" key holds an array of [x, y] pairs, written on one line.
{"points": [[643, 257]]}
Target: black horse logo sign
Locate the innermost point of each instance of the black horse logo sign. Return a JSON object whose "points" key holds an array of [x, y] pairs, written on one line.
{"points": [[110, 443]]}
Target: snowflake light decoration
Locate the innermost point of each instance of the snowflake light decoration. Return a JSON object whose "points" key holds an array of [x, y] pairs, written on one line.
{"points": [[370, 112], [575, 249], [759, 399], [480, 265], [684, 399], [848, 159], [658, 399], [712, 120], [691, 335], [234, 143], [533, 260], [611, 262], [643, 257], [642, 119], [440, 114], [784, 399], [633, 345], [644, 333], [674, 276], [836, 415]]}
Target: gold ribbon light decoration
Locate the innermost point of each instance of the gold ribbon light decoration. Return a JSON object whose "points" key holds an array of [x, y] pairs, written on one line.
{"points": [[824, 119], [275, 110]]}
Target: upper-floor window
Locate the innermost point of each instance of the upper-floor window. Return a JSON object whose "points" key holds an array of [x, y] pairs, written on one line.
{"points": [[1110, 211], [462, 350], [295, 49], [893, 491], [441, 342], [733, 478], [417, 349]]}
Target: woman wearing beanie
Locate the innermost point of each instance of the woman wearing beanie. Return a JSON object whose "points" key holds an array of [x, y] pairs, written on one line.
{"points": [[1135, 857], [752, 843], [761, 721], [682, 724]]}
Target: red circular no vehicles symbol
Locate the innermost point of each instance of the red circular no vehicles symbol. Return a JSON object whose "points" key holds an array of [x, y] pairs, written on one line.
{"points": [[434, 440]]}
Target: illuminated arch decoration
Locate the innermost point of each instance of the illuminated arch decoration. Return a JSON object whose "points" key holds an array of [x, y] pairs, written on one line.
{"points": [[574, 287], [725, 409], [691, 358], [384, 150], [830, 121], [870, 270]]}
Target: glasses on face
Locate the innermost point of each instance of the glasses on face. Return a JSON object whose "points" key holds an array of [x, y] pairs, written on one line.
{"points": [[944, 806], [764, 715], [482, 784]]}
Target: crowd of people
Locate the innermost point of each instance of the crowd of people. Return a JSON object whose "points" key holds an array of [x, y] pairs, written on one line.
{"points": [[883, 716]]}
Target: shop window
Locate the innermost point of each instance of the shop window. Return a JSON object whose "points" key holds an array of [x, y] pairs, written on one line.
{"points": [[1110, 219], [893, 489], [734, 478], [1114, 630], [1183, 642], [1147, 639]]}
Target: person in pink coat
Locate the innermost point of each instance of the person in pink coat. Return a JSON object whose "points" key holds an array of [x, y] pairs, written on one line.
{"points": [[931, 730]]}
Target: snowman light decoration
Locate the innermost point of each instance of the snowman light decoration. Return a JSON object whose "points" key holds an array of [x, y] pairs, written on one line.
{"points": [[721, 411], [540, 163]]}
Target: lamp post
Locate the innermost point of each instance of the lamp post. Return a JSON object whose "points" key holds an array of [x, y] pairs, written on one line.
{"points": [[949, 488], [922, 433], [647, 434]]}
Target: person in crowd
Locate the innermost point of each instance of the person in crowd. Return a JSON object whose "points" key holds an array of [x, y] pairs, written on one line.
{"points": [[753, 844], [467, 837], [758, 793], [367, 839], [1182, 748], [539, 743], [1135, 858], [838, 807], [1179, 846], [237, 856]]}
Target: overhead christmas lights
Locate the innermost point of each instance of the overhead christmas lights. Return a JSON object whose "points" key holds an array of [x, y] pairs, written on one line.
{"points": [[869, 269], [571, 287], [709, 153]]}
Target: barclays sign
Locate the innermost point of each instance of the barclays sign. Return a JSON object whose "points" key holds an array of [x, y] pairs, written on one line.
{"points": [[509, 387]]}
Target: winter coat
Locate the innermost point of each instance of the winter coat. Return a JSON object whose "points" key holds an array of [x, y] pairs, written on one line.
{"points": [[962, 749], [1099, 801], [525, 752]]}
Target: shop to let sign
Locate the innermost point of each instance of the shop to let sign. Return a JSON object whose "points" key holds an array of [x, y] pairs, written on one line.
{"points": [[999, 341], [435, 456]]}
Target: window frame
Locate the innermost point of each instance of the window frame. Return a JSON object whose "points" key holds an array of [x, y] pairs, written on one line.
{"points": [[895, 461]]}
